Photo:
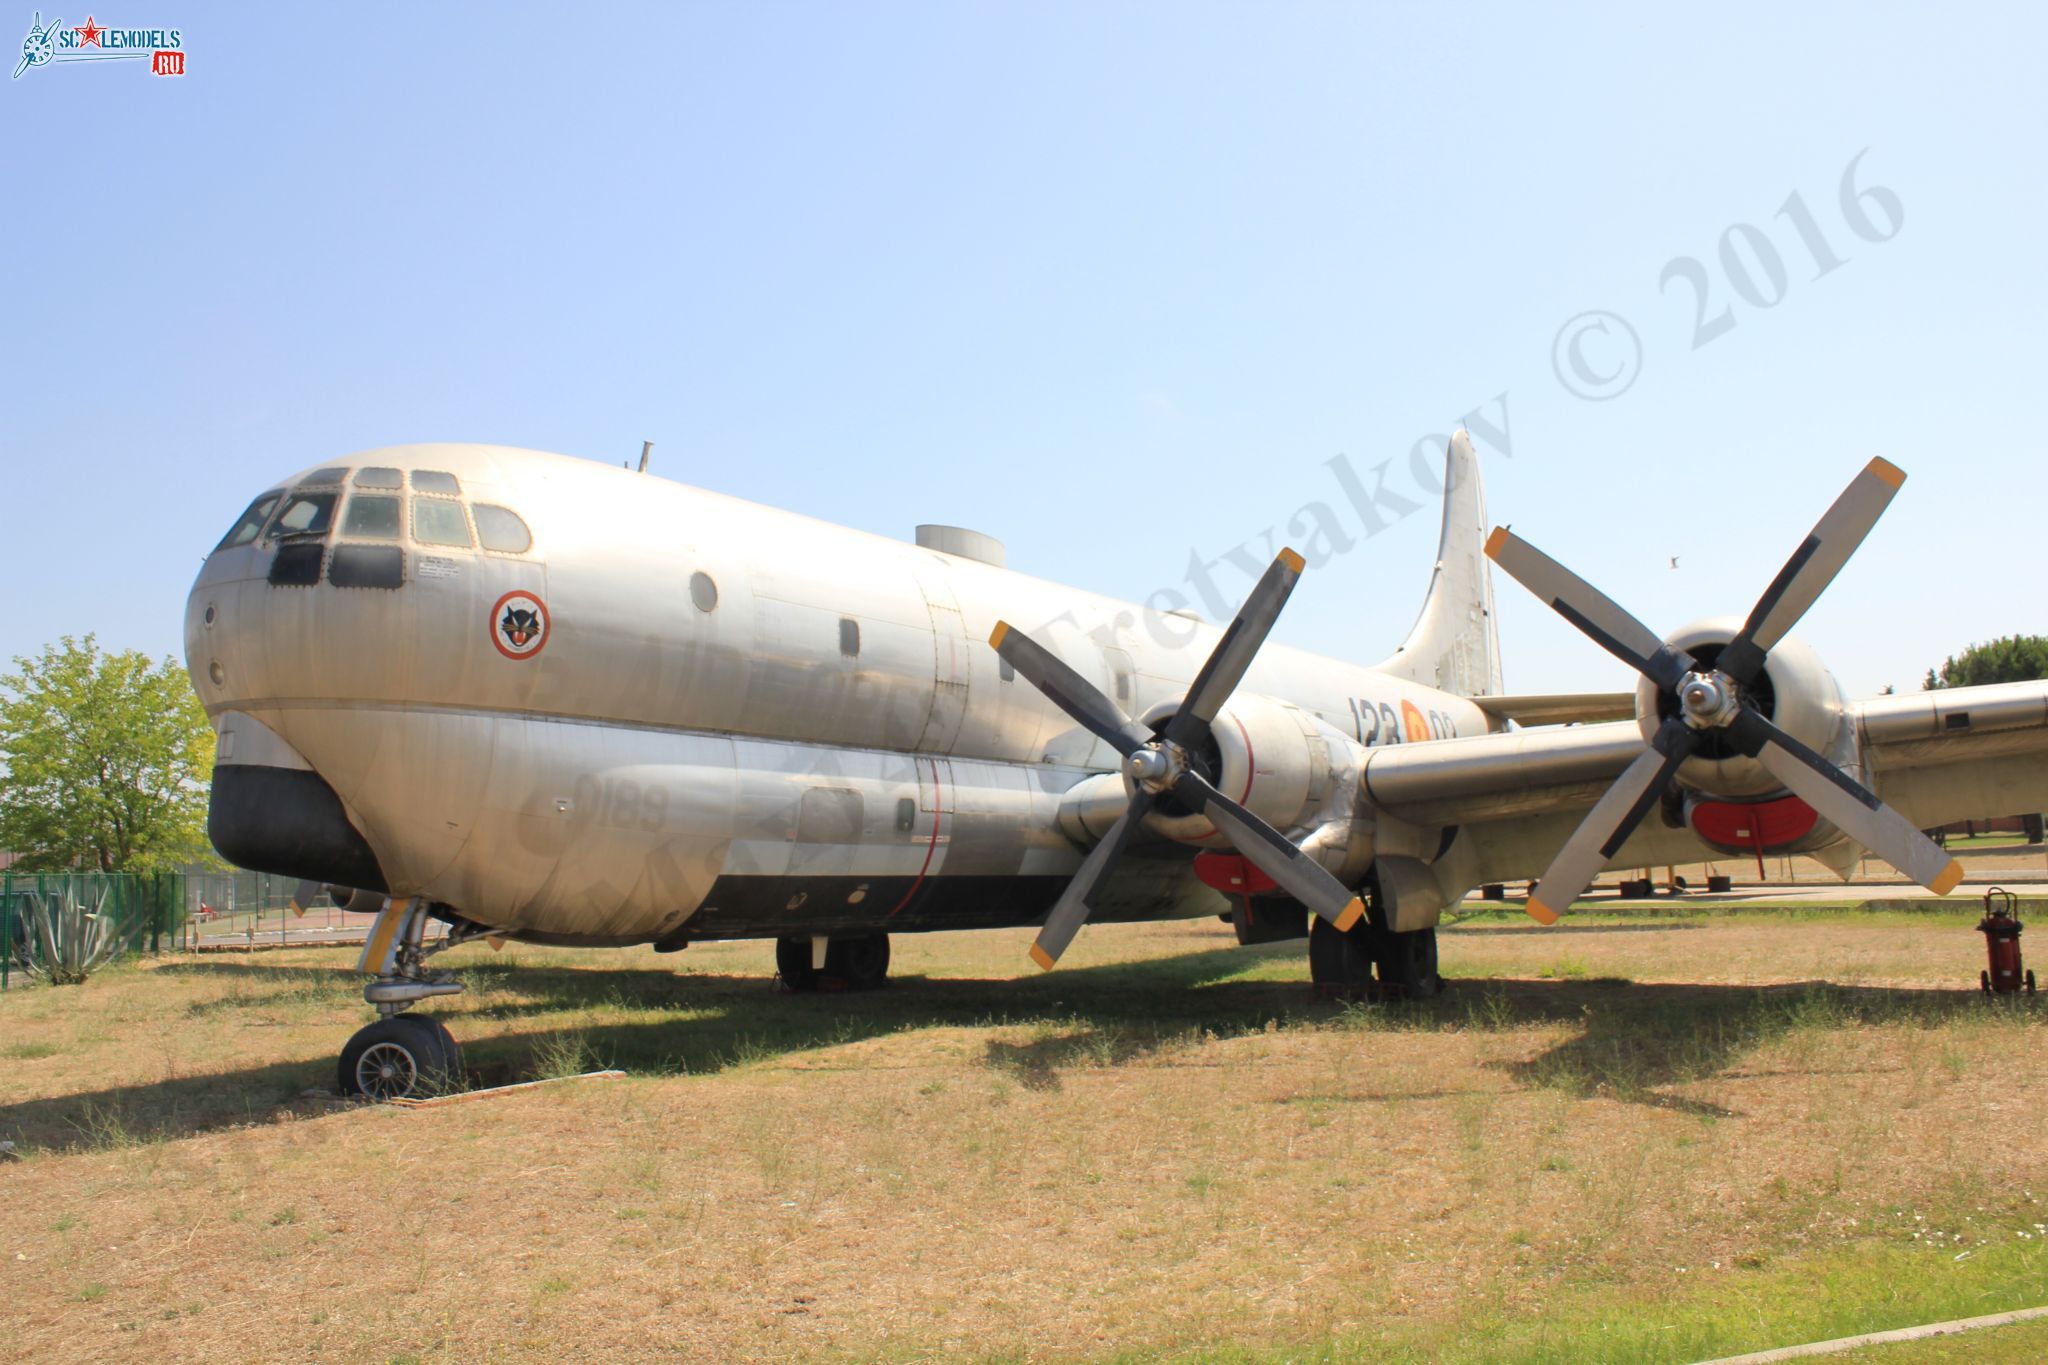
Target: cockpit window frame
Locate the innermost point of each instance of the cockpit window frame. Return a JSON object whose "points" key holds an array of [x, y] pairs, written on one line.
{"points": [[252, 520], [483, 536], [349, 531], [430, 481], [272, 534]]}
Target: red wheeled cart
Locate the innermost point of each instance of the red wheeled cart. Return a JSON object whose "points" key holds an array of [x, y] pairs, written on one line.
{"points": [[2001, 929]]}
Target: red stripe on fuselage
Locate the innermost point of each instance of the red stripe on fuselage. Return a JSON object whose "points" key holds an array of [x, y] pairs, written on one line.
{"points": [[938, 814]]}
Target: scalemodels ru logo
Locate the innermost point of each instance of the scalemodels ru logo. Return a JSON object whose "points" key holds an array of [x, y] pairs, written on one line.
{"points": [[164, 48]]}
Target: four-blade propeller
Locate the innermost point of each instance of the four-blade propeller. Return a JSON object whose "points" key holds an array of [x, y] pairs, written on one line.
{"points": [[1166, 767], [1713, 700]]}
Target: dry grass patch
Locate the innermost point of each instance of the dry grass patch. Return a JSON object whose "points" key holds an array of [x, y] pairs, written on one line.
{"points": [[1165, 1147]]}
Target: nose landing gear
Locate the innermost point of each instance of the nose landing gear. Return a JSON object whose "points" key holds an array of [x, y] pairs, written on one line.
{"points": [[402, 1055]]}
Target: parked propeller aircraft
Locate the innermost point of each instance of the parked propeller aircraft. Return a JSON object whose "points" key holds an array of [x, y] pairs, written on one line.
{"points": [[540, 698]]}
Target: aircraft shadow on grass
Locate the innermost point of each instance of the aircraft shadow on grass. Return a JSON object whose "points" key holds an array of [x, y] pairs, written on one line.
{"points": [[1629, 1042]]}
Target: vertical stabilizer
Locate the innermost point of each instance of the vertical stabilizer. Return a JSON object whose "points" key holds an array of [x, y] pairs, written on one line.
{"points": [[1454, 645]]}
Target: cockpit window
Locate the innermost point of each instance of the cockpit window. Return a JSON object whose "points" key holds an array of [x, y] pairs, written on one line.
{"points": [[371, 517], [378, 477], [437, 521], [324, 477], [435, 481], [305, 514], [501, 529], [252, 521]]}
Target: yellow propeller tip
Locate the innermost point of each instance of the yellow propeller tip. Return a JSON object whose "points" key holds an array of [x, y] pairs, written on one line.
{"points": [[1353, 913], [1041, 957], [995, 637], [1495, 541], [1293, 561], [1951, 877], [1886, 470], [1540, 912]]}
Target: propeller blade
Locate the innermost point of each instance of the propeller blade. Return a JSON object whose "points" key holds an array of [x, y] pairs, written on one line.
{"points": [[1848, 805], [1592, 611], [1072, 909], [1812, 567], [1068, 690], [1226, 664], [1613, 818], [1272, 852]]}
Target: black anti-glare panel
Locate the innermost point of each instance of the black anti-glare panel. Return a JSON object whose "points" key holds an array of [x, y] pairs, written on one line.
{"points": [[367, 566], [297, 564]]}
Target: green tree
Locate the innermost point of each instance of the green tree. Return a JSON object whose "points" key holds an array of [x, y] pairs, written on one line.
{"points": [[2010, 658], [108, 756]]}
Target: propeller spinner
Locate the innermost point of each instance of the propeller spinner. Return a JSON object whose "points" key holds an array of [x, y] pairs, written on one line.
{"points": [[1160, 767], [1712, 701]]}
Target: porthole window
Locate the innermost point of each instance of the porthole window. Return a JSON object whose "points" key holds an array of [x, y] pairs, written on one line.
{"points": [[906, 815], [377, 476], [849, 636], [703, 592], [500, 529], [435, 481]]}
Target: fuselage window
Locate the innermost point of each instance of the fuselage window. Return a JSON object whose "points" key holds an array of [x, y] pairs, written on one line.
{"points": [[325, 478], [379, 477], [703, 592], [252, 521], [499, 528], [437, 521], [435, 481], [304, 514], [371, 518], [849, 636], [906, 815]]}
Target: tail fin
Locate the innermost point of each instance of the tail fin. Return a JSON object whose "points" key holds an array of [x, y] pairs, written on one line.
{"points": [[1454, 645]]}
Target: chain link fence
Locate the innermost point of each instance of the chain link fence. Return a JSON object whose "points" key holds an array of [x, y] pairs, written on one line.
{"points": [[60, 925]]}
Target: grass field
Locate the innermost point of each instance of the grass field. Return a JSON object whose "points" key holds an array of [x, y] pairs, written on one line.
{"points": [[1626, 1138]]}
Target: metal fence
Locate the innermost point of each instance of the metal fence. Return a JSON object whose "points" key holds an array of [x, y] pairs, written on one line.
{"points": [[58, 915]]}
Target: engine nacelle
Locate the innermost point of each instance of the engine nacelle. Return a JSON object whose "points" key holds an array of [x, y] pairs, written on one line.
{"points": [[1275, 759], [1795, 691]]}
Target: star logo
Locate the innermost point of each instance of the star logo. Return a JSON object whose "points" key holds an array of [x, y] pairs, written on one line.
{"points": [[89, 36]]}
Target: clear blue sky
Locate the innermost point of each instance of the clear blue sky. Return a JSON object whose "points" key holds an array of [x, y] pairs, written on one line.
{"points": [[1114, 283]]}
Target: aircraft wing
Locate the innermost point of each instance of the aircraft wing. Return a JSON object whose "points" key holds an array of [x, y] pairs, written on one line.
{"points": [[1560, 708], [1959, 753], [1948, 754]]}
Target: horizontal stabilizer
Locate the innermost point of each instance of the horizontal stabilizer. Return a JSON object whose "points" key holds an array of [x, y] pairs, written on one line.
{"points": [[1560, 708]]}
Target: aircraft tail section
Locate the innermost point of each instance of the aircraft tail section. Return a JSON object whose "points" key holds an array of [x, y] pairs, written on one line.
{"points": [[1454, 645]]}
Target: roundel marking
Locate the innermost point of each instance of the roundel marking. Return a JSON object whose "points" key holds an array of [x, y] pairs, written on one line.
{"points": [[1412, 722], [519, 625]]}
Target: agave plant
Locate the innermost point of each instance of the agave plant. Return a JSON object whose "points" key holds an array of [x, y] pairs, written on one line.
{"points": [[66, 932]]}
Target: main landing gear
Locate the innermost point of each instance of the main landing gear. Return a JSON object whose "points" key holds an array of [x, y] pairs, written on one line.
{"points": [[1372, 962], [403, 1055], [833, 964]]}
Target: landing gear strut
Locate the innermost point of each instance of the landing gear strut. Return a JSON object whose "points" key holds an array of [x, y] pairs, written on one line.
{"points": [[404, 1056], [1372, 962], [847, 964]]}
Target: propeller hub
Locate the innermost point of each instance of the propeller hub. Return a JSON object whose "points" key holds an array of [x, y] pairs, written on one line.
{"points": [[1708, 700], [1155, 766]]}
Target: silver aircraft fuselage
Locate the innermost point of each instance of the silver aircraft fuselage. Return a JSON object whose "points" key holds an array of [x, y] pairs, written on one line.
{"points": [[677, 715]]}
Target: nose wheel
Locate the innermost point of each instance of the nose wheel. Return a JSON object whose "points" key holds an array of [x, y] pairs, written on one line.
{"points": [[407, 1056]]}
